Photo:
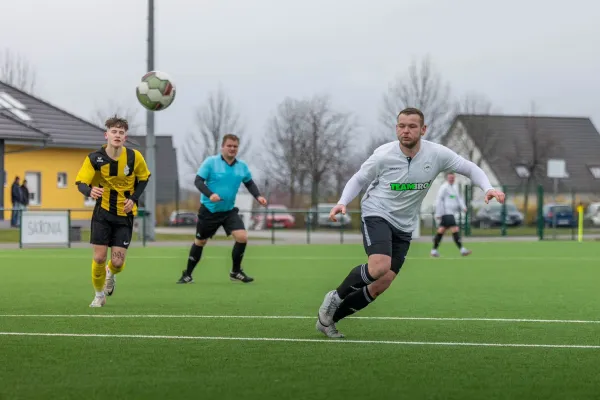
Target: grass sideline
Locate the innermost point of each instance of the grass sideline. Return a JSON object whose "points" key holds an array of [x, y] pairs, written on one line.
{"points": [[513, 320], [12, 236]]}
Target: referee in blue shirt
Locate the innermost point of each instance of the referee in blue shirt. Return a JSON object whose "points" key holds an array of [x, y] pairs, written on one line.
{"points": [[218, 179]]}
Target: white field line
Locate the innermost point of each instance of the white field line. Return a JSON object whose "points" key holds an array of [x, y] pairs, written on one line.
{"points": [[17, 256], [328, 341], [284, 317]]}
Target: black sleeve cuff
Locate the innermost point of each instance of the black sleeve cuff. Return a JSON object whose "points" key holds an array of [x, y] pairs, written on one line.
{"points": [[201, 185], [84, 188], [139, 189], [252, 188]]}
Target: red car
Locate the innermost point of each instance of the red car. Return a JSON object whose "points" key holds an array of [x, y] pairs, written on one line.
{"points": [[275, 216]]}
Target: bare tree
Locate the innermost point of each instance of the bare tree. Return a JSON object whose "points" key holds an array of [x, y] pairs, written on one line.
{"points": [[326, 129], [309, 142], [531, 153], [422, 87], [17, 71], [102, 113], [346, 161], [286, 141], [474, 110], [216, 118]]}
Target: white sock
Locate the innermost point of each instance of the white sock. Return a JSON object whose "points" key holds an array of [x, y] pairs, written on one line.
{"points": [[463, 250], [99, 294]]}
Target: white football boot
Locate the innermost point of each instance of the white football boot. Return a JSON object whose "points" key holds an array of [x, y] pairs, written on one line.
{"points": [[109, 285], [330, 304], [99, 301], [329, 331]]}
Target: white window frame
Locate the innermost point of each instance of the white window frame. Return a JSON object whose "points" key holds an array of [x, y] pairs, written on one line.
{"points": [[37, 191], [58, 183], [14, 106], [522, 171]]}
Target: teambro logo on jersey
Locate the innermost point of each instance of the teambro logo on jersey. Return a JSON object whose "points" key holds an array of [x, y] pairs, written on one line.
{"points": [[126, 170], [401, 187]]}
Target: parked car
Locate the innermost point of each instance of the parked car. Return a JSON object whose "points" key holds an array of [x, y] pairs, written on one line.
{"points": [[592, 215], [183, 218], [491, 215], [275, 216], [563, 213], [322, 211]]}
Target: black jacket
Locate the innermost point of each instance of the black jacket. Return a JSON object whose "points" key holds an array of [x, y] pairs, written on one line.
{"points": [[16, 195], [24, 195]]}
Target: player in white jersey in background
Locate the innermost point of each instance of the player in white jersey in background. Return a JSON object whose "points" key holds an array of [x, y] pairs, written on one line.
{"points": [[398, 175], [448, 203]]}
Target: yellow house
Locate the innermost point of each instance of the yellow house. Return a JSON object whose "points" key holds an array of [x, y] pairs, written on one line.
{"points": [[45, 146]]}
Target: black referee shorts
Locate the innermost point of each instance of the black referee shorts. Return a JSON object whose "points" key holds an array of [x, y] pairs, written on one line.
{"points": [[448, 221], [209, 222], [381, 237], [110, 230]]}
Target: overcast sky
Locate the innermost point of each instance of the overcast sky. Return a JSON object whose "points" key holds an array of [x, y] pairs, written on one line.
{"points": [[88, 52]]}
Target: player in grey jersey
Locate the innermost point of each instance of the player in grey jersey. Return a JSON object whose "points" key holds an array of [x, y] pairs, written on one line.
{"points": [[448, 202], [398, 175]]}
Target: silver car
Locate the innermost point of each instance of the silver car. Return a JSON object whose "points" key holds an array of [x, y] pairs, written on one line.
{"points": [[323, 216]]}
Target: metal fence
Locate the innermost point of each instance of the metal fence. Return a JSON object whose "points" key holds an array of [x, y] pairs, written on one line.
{"points": [[32, 227], [533, 214]]}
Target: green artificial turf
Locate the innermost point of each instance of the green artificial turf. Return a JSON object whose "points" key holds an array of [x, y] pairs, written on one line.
{"points": [[453, 328]]}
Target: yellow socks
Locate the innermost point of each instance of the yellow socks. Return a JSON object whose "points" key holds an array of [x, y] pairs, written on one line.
{"points": [[98, 276], [113, 269]]}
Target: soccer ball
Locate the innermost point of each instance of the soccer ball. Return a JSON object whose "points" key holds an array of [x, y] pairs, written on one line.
{"points": [[156, 91]]}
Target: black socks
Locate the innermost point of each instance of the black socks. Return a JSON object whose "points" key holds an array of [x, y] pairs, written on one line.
{"points": [[236, 256], [457, 240], [437, 239], [356, 279], [354, 302], [194, 258]]}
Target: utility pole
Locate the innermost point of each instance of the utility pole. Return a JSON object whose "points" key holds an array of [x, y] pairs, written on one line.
{"points": [[150, 204]]}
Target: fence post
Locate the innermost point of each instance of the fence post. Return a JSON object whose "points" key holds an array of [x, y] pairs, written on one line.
{"points": [[503, 229], [20, 227], [272, 227], [144, 229], [307, 223], [574, 211], [341, 231], [69, 227], [540, 212], [468, 200]]}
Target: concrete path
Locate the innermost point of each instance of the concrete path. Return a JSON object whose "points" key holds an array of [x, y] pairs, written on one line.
{"points": [[293, 237]]}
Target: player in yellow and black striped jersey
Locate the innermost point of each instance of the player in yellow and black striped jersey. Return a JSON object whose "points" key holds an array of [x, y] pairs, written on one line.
{"points": [[115, 176]]}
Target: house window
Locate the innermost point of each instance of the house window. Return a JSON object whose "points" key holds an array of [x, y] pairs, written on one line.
{"points": [[595, 172], [62, 179], [34, 185], [522, 171]]}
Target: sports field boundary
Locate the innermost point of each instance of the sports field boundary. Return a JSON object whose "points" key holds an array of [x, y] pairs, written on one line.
{"points": [[17, 255], [287, 317], [300, 340]]}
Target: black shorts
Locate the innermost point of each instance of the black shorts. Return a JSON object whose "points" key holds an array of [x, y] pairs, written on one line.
{"points": [[448, 221], [209, 222], [381, 237], [110, 230]]}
